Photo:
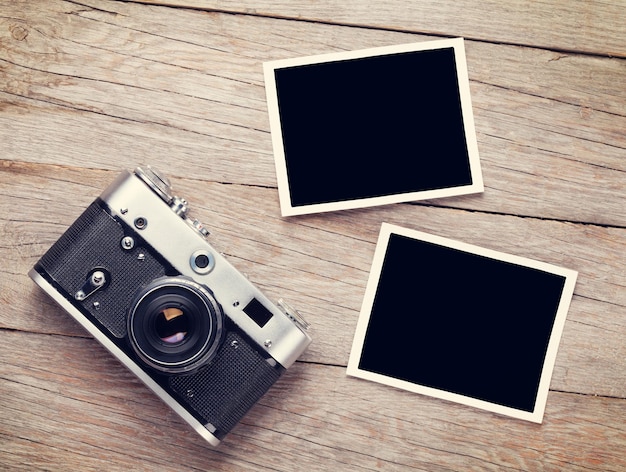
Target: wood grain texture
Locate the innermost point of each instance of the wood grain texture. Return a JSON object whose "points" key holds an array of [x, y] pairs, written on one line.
{"points": [[93, 86], [330, 273], [158, 85], [590, 26], [354, 425]]}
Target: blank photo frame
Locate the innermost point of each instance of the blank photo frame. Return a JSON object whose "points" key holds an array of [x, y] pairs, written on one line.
{"points": [[372, 127], [462, 323]]}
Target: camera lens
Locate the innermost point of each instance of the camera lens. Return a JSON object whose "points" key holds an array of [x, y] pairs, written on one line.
{"points": [[175, 325]]}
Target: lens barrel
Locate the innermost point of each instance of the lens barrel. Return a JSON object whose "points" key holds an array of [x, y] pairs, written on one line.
{"points": [[175, 325]]}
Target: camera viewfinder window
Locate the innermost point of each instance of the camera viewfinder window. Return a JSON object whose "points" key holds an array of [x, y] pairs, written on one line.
{"points": [[462, 323], [372, 127], [259, 314]]}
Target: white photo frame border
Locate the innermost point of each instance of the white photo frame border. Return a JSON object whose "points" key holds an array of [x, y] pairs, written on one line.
{"points": [[287, 209], [354, 370]]}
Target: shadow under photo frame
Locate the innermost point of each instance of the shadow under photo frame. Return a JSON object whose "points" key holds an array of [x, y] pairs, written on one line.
{"points": [[372, 127]]}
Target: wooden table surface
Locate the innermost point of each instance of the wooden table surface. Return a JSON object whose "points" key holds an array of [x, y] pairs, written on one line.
{"points": [[91, 87]]}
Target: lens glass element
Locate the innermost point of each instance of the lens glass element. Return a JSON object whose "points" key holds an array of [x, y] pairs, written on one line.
{"points": [[172, 325], [175, 324]]}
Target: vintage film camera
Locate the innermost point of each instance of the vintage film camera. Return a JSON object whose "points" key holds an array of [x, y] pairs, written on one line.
{"points": [[140, 276]]}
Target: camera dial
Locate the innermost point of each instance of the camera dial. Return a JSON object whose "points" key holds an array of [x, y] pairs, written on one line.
{"points": [[156, 181], [161, 186], [175, 325]]}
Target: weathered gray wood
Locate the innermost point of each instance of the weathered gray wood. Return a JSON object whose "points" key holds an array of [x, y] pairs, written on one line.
{"points": [[74, 405], [321, 263], [93, 86], [592, 27], [108, 85]]}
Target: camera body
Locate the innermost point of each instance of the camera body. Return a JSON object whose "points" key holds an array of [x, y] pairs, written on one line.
{"points": [[141, 277]]}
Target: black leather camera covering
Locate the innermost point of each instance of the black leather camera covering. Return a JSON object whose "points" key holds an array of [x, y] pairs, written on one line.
{"points": [[94, 241], [219, 393]]}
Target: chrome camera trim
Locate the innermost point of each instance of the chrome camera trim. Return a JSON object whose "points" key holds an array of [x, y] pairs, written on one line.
{"points": [[147, 213], [130, 198]]}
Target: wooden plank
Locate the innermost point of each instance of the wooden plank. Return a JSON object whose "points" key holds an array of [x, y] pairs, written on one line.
{"points": [[592, 26], [53, 416], [85, 85], [320, 263], [92, 86]]}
